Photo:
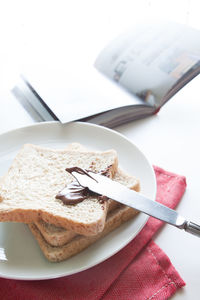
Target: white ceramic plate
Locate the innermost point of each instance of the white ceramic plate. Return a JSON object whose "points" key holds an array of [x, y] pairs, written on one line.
{"points": [[20, 255]]}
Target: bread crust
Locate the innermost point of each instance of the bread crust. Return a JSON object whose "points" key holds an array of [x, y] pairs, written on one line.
{"points": [[79, 243]]}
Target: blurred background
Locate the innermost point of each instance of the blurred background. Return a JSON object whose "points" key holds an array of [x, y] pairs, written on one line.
{"points": [[72, 33]]}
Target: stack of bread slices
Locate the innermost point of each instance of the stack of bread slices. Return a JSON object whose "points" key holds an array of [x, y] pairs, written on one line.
{"points": [[28, 194]]}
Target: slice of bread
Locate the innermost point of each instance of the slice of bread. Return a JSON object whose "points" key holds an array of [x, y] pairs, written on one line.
{"points": [[58, 236], [28, 190], [79, 242]]}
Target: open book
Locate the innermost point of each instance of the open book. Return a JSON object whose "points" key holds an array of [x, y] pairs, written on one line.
{"points": [[132, 78]]}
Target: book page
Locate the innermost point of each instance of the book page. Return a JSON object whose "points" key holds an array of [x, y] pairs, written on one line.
{"points": [[77, 93], [151, 59]]}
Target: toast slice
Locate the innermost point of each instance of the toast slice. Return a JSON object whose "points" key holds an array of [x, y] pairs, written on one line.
{"points": [[37, 174], [58, 236], [79, 242]]}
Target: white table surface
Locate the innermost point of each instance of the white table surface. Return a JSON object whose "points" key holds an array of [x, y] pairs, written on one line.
{"points": [[169, 139]]}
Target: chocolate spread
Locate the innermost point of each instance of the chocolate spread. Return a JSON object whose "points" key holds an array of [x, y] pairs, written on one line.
{"points": [[74, 193]]}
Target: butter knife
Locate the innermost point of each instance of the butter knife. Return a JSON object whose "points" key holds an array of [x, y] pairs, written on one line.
{"points": [[104, 186]]}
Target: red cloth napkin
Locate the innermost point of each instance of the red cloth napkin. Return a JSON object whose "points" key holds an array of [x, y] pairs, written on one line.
{"points": [[141, 270]]}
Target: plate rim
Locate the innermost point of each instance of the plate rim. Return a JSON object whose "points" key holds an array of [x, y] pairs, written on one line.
{"points": [[88, 266]]}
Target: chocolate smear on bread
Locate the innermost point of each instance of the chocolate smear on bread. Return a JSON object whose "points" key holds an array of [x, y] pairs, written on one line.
{"points": [[74, 193]]}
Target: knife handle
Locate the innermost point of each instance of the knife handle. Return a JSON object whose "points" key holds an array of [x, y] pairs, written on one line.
{"points": [[192, 228]]}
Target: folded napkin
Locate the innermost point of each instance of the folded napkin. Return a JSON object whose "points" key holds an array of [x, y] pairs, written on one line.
{"points": [[141, 270]]}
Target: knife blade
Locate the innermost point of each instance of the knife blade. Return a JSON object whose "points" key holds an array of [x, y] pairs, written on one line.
{"points": [[104, 186]]}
